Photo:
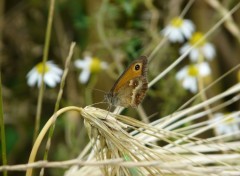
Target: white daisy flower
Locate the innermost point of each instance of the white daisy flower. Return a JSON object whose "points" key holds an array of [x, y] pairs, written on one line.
{"points": [[189, 74], [52, 74], [228, 126], [89, 65], [178, 29], [203, 49]]}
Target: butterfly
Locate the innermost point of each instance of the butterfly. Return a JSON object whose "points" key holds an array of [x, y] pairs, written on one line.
{"points": [[131, 87]]}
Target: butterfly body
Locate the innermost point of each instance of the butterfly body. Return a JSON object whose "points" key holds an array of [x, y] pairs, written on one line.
{"points": [[130, 88]]}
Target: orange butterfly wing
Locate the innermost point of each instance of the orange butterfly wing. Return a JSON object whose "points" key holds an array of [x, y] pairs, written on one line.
{"points": [[131, 86]]}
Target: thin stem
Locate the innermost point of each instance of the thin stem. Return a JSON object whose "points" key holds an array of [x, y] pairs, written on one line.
{"points": [[51, 131], [201, 89], [186, 8], [44, 131], [204, 96], [143, 114], [45, 55], [2, 3], [156, 49], [90, 88], [3, 140]]}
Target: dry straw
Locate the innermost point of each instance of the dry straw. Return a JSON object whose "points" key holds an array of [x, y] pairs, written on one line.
{"points": [[128, 146], [180, 153]]}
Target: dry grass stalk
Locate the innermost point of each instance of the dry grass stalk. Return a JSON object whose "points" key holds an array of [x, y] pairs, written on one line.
{"points": [[180, 150]]}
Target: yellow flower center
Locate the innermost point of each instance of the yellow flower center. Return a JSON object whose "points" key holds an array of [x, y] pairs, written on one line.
{"points": [[40, 68], [230, 120], [192, 71], [95, 66], [196, 37], [177, 22]]}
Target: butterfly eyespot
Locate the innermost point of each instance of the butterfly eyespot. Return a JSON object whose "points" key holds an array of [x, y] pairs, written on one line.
{"points": [[137, 67]]}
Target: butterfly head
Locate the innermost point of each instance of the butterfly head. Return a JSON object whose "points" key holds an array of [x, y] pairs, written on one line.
{"points": [[108, 97]]}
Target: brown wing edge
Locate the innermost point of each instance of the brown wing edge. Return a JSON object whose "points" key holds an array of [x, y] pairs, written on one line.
{"points": [[145, 64], [142, 92]]}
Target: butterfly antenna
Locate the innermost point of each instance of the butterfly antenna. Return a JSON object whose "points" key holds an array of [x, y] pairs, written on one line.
{"points": [[99, 90], [153, 115], [101, 102]]}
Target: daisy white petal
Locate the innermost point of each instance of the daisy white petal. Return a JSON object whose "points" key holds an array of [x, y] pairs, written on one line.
{"points": [[31, 72], [189, 24], [188, 28], [54, 68], [32, 78], [187, 33], [184, 48], [79, 63], [83, 63], [209, 51], [194, 55], [49, 81], [176, 36], [182, 73], [204, 69], [190, 83], [84, 76], [56, 78]]}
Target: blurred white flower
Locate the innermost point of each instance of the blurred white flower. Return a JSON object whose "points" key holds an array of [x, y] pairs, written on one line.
{"points": [[89, 65], [202, 49], [189, 74], [52, 74], [228, 126], [178, 29]]}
